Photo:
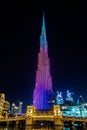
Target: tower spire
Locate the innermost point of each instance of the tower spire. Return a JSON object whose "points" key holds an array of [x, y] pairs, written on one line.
{"points": [[43, 28], [43, 33]]}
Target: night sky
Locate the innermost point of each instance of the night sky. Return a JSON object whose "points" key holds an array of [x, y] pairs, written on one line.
{"points": [[20, 28]]}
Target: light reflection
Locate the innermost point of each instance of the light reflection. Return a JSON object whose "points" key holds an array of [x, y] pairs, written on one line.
{"points": [[44, 128]]}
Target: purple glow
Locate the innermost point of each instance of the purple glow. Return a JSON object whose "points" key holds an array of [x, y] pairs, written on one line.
{"points": [[43, 86]]}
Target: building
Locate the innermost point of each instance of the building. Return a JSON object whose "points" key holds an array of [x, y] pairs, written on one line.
{"points": [[80, 100], [4, 106], [43, 87], [16, 110], [59, 98], [43, 109], [20, 107]]}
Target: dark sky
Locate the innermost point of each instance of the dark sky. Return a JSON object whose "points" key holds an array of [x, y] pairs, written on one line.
{"points": [[20, 28]]}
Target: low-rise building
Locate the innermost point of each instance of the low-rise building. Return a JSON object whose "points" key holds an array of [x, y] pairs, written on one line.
{"points": [[4, 106]]}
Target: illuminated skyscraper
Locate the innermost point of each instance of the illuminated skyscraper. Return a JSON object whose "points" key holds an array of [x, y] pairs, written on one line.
{"points": [[43, 87], [59, 98]]}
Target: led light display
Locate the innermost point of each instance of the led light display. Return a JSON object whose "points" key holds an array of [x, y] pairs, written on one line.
{"points": [[43, 85]]}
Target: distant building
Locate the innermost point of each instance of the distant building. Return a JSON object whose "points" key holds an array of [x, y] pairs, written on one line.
{"points": [[59, 98], [15, 110], [20, 107], [80, 100], [69, 99], [69, 96], [4, 106]]}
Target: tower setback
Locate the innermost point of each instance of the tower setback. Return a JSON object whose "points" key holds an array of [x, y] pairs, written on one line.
{"points": [[43, 86]]}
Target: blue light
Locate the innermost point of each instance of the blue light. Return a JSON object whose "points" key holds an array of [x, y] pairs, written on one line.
{"points": [[43, 41]]}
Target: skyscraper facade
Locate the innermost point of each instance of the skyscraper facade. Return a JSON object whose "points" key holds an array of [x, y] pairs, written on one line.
{"points": [[43, 86]]}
